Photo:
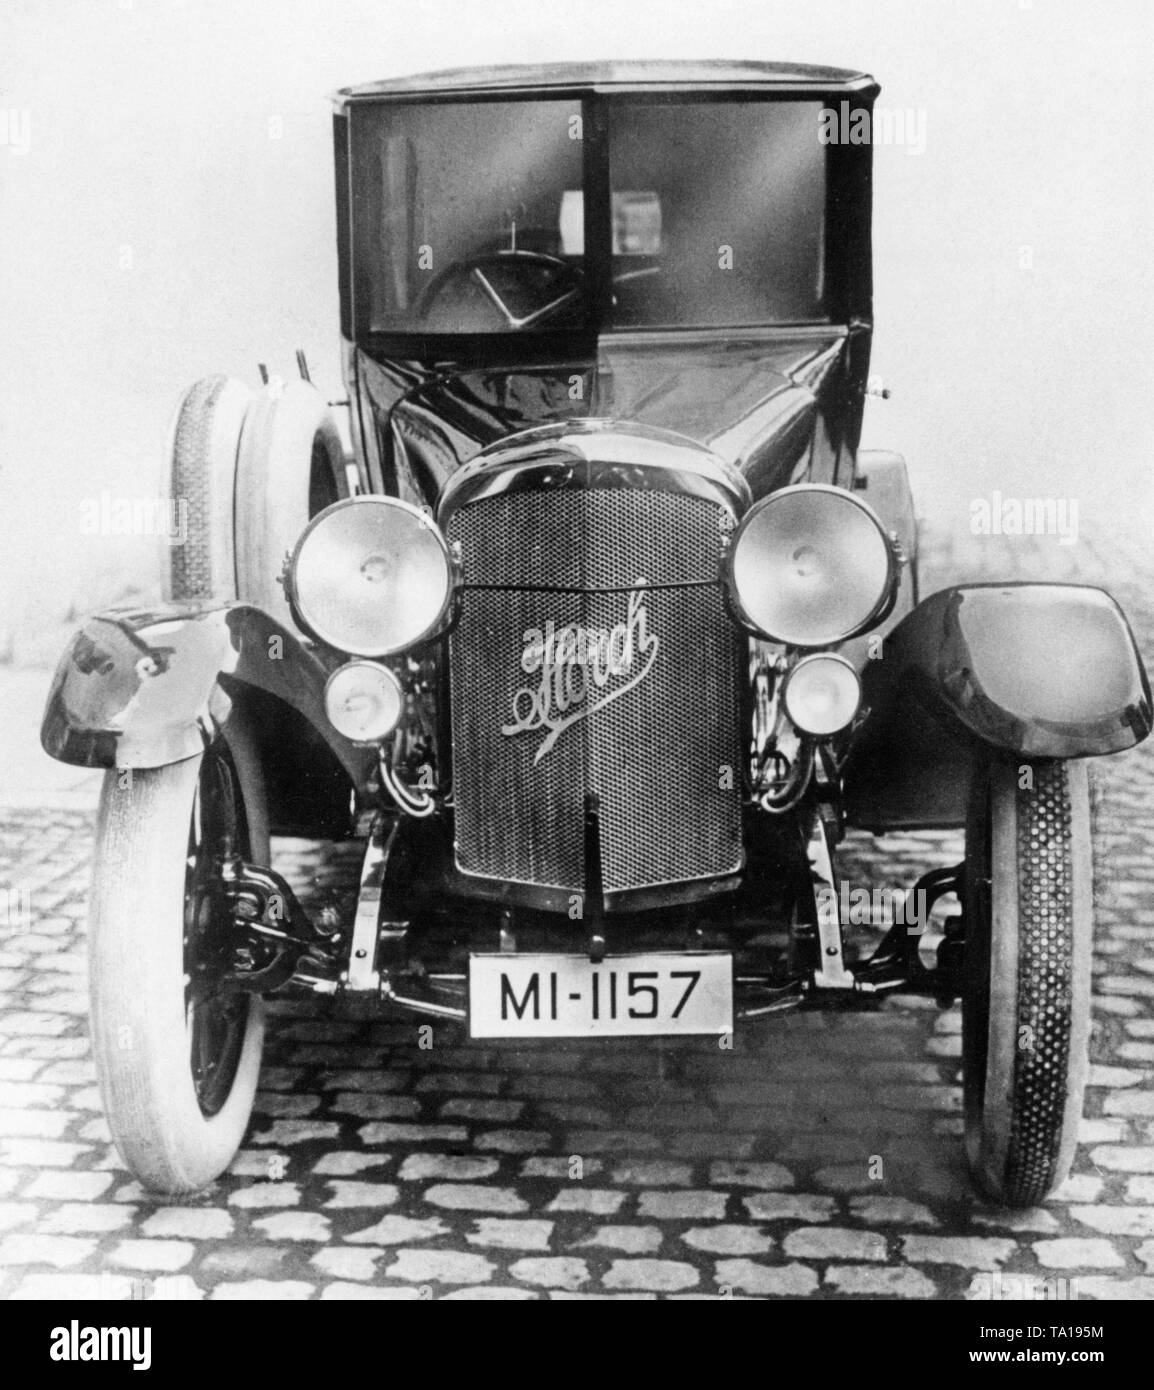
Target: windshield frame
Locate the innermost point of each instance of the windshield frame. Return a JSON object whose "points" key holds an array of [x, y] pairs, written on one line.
{"points": [[846, 229]]}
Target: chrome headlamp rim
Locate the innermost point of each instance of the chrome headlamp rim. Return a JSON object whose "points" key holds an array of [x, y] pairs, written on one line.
{"points": [[314, 629], [877, 614], [378, 668], [798, 671]]}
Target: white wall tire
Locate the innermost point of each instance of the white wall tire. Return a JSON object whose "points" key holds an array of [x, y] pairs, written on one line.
{"points": [[1026, 995], [140, 1017], [201, 462], [290, 466]]}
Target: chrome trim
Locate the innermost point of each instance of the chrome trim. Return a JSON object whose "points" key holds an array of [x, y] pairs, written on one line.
{"points": [[373, 500], [878, 613], [362, 974], [557, 899], [596, 453], [831, 972]]}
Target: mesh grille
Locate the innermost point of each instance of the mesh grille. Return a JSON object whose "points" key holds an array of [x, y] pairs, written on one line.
{"points": [[601, 538], [651, 738]]}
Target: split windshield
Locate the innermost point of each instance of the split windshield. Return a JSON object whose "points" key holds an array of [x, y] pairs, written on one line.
{"points": [[474, 217]]}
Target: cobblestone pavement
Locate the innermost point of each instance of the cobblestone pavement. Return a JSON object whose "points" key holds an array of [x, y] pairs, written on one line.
{"points": [[820, 1157]]}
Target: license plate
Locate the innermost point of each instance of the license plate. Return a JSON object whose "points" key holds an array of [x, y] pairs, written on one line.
{"points": [[555, 996]]}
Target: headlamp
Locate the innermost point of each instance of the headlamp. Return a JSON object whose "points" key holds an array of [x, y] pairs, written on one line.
{"points": [[370, 576]]}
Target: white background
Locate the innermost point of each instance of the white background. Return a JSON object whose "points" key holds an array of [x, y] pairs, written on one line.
{"points": [[156, 231]]}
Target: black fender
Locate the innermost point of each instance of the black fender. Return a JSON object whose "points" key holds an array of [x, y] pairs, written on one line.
{"points": [[1023, 670], [139, 688]]}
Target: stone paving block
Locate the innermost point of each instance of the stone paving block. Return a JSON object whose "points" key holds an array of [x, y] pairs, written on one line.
{"points": [[1116, 1221], [460, 1196], [163, 1255], [881, 1210], [728, 1240], [652, 1173], [288, 1132], [511, 1234], [1075, 1253], [763, 1280], [834, 1243], [87, 1218], [293, 1225], [479, 1108], [788, 1206], [571, 1168], [384, 1133], [396, 1293], [682, 1206], [369, 1105], [551, 1272], [874, 1281], [488, 1293], [1037, 1219], [1119, 1159], [595, 1201], [13, 1214], [660, 1276], [513, 1141], [440, 1266], [189, 1223], [1112, 1286], [629, 1240], [362, 1194], [368, 1080], [457, 1167], [62, 1252], [727, 1173], [970, 1252], [262, 1291], [345, 1163], [398, 1230], [346, 1262], [266, 1194]]}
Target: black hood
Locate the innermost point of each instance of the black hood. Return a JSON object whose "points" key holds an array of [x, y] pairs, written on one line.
{"points": [[777, 405]]}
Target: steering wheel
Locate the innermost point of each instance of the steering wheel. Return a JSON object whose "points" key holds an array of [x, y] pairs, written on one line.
{"points": [[477, 270]]}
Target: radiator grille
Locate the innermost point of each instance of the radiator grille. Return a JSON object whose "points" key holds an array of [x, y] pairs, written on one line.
{"points": [[652, 742]]}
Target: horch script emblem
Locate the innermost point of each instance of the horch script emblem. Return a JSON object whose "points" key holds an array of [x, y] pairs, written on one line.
{"points": [[573, 665]]}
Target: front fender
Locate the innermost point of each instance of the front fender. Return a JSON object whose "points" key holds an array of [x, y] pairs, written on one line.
{"points": [[145, 687], [1028, 670]]}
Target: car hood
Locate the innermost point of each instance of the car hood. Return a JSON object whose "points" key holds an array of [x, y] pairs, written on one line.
{"points": [[774, 406]]}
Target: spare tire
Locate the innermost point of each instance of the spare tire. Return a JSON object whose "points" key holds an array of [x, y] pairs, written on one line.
{"points": [[291, 465], [201, 460]]}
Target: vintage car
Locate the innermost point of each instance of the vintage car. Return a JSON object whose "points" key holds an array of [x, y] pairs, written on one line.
{"points": [[598, 635]]}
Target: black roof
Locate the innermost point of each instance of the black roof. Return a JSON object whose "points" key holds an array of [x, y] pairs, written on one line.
{"points": [[610, 74]]}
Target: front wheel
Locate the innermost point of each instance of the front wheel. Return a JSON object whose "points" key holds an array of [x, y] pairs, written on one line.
{"points": [[177, 1057], [1026, 990]]}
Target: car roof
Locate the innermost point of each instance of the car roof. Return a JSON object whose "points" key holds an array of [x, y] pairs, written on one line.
{"points": [[633, 75]]}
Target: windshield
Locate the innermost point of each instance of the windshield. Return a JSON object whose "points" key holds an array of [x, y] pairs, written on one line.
{"points": [[719, 211], [462, 219], [472, 217]]}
